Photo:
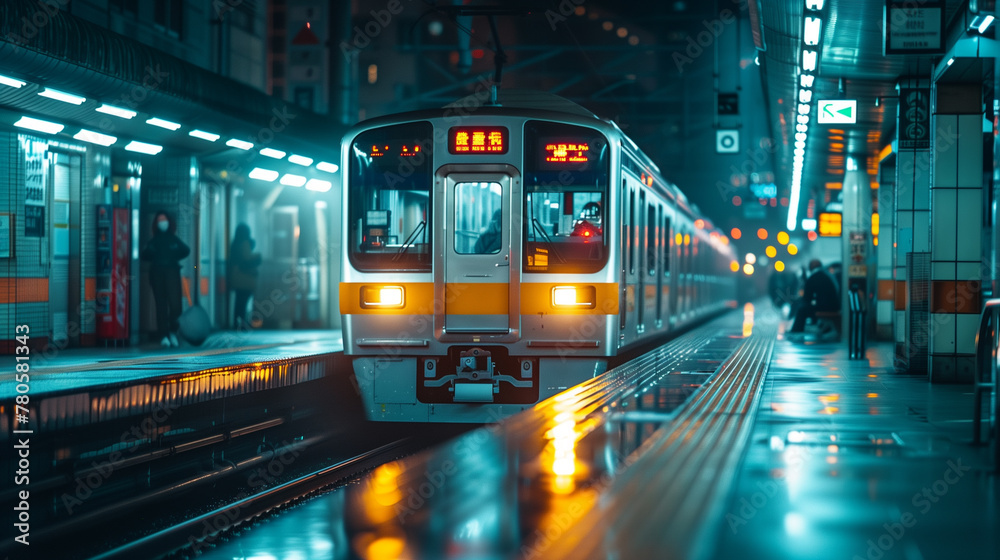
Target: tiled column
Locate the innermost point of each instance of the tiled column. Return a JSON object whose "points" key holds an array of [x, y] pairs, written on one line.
{"points": [[956, 231], [885, 288], [913, 214]]}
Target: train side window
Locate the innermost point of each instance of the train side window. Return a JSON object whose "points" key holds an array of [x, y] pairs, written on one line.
{"points": [[666, 246], [478, 218], [651, 240], [630, 242]]}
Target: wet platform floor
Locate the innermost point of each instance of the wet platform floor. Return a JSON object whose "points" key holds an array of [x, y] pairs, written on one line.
{"points": [[847, 460], [851, 460]]}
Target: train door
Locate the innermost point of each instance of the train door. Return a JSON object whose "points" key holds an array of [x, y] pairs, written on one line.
{"points": [[477, 254]]}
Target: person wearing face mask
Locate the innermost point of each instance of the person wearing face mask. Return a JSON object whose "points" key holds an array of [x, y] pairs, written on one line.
{"points": [[163, 252]]}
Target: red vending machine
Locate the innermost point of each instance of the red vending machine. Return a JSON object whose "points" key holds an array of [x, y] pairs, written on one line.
{"points": [[113, 254]]}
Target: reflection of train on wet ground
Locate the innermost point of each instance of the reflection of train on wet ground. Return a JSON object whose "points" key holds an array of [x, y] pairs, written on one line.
{"points": [[496, 258]]}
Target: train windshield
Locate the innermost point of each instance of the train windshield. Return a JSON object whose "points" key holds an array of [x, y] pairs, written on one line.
{"points": [[389, 188], [566, 170]]}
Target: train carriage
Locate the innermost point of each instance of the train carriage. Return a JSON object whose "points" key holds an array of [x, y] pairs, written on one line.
{"points": [[497, 255]]}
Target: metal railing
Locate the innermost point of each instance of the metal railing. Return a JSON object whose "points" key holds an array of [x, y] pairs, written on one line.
{"points": [[857, 337], [987, 380]]}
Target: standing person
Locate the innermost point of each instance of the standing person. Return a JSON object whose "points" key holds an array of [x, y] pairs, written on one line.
{"points": [[164, 251], [243, 263]]}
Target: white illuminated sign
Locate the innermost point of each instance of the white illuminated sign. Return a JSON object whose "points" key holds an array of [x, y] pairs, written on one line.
{"points": [[837, 111]]}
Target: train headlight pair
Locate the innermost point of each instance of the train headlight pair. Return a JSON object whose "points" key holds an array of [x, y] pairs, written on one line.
{"points": [[382, 297], [574, 297]]}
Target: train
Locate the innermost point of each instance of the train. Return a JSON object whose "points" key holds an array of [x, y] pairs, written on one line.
{"points": [[498, 253]]}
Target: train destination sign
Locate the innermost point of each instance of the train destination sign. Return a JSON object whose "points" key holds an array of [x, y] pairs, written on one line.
{"points": [[567, 152], [477, 140]]}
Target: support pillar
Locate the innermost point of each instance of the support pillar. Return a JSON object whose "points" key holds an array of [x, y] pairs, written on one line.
{"points": [[956, 231], [885, 234], [912, 237]]}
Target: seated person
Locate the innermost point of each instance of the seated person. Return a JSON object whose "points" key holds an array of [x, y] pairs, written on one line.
{"points": [[489, 240], [589, 224], [820, 294]]}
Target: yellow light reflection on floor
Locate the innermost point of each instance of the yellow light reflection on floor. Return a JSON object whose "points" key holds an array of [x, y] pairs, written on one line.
{"points": [[385, 548], [747, 319], [872, 395]]}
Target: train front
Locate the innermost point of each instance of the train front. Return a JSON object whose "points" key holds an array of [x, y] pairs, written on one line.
{"points": [[478, 270]]}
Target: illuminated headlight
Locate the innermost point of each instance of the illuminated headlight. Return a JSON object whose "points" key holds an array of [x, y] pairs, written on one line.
{"points": [[577, 297], [382, 297]]}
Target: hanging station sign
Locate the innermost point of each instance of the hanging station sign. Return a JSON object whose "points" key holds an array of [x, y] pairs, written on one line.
{"points": [[911, 27]]}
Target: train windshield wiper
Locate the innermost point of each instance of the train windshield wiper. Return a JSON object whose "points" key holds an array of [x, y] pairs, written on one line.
{"points": [[537, 226], [410, 240]]}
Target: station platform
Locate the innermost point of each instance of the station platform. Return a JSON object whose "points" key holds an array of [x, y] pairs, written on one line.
{"points": [[788, 450], [78, 386]]}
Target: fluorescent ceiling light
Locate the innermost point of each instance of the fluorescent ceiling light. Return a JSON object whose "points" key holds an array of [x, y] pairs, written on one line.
{"points": [[319, 185], [40, 125], [812, 29], [62, 96], [327, 166], [807, 80], [143, 148], [115, 111], [204, 135], [95, 137], [814, 4], [984, 24], [951, 61], [300, 160], [805, 95], [11, 82], [803, 119], [804, 108], [800, 143], [293, 180], [800, 136], [163, 124], [802, 127], [809, 60], [263, 174], [241, 144], [272, 153]]}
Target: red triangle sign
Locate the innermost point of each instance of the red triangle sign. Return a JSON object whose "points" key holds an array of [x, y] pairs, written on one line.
{"points": [[305, 36]]}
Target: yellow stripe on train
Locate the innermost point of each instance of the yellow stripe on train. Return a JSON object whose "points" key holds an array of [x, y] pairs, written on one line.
{"points": [[418, 298]]}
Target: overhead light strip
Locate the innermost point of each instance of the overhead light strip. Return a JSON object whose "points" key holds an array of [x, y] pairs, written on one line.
{"points": [[116, 111], [62, 96], [812, 33], [40, 125]]}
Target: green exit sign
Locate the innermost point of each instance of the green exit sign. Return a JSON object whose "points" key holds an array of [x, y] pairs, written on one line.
{"points": [[837, 111]]}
